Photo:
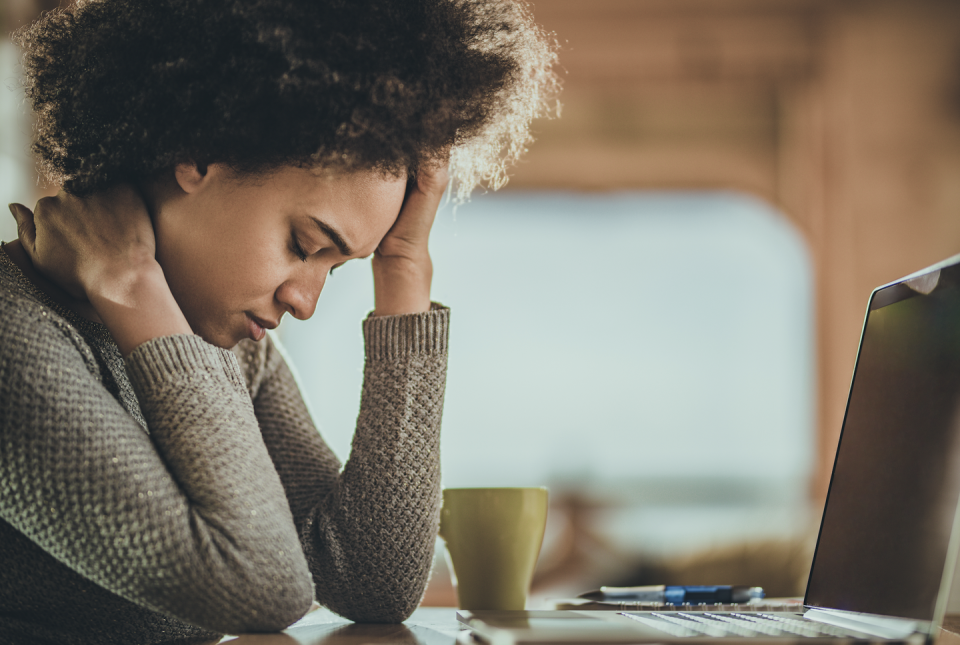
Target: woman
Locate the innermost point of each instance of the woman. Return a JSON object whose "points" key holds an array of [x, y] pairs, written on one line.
{"points": [[162, 479]]}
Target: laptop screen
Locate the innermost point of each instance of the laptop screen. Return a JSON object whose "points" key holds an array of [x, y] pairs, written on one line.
{"points": [[896, 480]]}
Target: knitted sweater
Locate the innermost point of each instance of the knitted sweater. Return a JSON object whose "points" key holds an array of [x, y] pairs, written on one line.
{"points": [[184, 492]]}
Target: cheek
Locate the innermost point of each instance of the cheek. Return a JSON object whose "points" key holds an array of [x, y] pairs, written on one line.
{"points": [[244, 266], [220, 260]]}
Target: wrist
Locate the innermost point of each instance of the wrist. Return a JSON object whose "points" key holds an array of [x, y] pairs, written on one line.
{"points": [[137, 306], [401, 285], [119, 279]]}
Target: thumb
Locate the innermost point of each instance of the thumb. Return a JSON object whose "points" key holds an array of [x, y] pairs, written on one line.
{"points": [[26, 228]]}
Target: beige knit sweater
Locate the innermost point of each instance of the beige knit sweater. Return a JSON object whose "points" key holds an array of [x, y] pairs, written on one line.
{"points": [[184, 492]]}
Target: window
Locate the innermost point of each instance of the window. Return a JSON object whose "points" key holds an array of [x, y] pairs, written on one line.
{"points": [[654, 344]]}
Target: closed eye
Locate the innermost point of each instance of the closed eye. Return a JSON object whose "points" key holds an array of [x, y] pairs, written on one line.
{"points": [[296, 248]]}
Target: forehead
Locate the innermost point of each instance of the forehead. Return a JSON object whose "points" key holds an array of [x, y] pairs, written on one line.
{"points": [[361, 205]]}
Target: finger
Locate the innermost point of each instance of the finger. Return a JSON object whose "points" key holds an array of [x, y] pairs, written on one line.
{"points": [[26, 227], [420, 207], [433, 178]]}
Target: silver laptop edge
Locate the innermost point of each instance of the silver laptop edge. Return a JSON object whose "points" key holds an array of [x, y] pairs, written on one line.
{"points": [[881, 625]]}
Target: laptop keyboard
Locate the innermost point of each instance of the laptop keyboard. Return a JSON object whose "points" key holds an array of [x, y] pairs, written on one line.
{"points": [[707, 623]]}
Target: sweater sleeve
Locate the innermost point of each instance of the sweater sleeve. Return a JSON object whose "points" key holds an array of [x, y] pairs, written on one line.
{"points": [[368, 532], [187, 518]]}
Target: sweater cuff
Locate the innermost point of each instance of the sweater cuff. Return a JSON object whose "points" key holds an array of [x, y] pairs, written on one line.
{"points": [[390, 337], [158, 360]]}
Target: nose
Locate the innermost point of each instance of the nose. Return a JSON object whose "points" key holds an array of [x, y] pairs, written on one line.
{"points": [[299, 293]]}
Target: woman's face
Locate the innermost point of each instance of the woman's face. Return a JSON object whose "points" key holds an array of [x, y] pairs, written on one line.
{"points": [[239, 252]]}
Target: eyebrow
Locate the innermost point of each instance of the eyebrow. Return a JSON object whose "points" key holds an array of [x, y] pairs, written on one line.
{"points": [[335, 237]]}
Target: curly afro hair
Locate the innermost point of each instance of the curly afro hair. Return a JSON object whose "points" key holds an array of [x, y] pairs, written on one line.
{"points": [[125, 89]]}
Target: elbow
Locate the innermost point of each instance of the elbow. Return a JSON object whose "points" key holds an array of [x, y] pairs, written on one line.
{"points": [[246, 601], [265, 614], [274, 617], [280, 608], [379, 588], [378, 615], [376, 608], [247, 588]]}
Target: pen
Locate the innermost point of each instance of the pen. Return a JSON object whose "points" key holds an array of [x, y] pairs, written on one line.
{"points": [[677, 594]]}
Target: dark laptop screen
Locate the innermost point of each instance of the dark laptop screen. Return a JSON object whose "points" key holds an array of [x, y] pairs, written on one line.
{"points": [[887, 521]]}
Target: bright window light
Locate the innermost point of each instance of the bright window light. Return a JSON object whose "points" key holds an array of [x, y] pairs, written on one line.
{"points": [[601, 339]]}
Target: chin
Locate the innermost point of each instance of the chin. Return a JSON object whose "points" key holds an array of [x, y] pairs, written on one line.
{"points": [[217, 337], [222, 343]]}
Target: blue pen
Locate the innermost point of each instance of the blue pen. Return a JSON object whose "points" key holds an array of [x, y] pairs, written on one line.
{"points": [[677, 594]]}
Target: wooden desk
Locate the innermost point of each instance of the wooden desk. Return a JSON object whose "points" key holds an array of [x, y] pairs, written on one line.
{"points": [[427, 626], [950, 631]]}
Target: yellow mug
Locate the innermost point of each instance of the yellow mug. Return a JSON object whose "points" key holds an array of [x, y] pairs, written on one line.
{"points": [[493, 538]]}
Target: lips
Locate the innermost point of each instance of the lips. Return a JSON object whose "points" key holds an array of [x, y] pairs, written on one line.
{"points": [[257, 327]]}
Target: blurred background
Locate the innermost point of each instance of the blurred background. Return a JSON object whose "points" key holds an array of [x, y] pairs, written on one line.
{"points": [[658, 317]]}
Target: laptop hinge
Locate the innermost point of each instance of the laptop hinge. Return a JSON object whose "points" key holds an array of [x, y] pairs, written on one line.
{"points": [[881, 626]]}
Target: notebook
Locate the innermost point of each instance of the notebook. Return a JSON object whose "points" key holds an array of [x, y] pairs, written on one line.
{"points": [[889, 537]]}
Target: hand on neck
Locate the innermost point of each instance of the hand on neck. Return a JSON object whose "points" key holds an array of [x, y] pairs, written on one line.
{"points": [[18, 256]]}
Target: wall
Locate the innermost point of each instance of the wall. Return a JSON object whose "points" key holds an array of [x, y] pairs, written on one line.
{"points": [[844, 114]]}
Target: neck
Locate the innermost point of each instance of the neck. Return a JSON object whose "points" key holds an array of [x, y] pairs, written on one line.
{"points": [[19, 256]]}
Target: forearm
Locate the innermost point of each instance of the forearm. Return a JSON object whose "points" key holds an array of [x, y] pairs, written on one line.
{"points": [[380, 523], [235, 531]]}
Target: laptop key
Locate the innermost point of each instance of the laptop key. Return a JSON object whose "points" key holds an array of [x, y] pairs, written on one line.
{"points": [[749, 626], [663, 625], [736, 624]]}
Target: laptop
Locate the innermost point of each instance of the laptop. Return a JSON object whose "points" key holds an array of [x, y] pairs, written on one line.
{"points": [[889, 537]]}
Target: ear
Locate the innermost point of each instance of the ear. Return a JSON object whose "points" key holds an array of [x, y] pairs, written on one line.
{"points": [[191, 176]]}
